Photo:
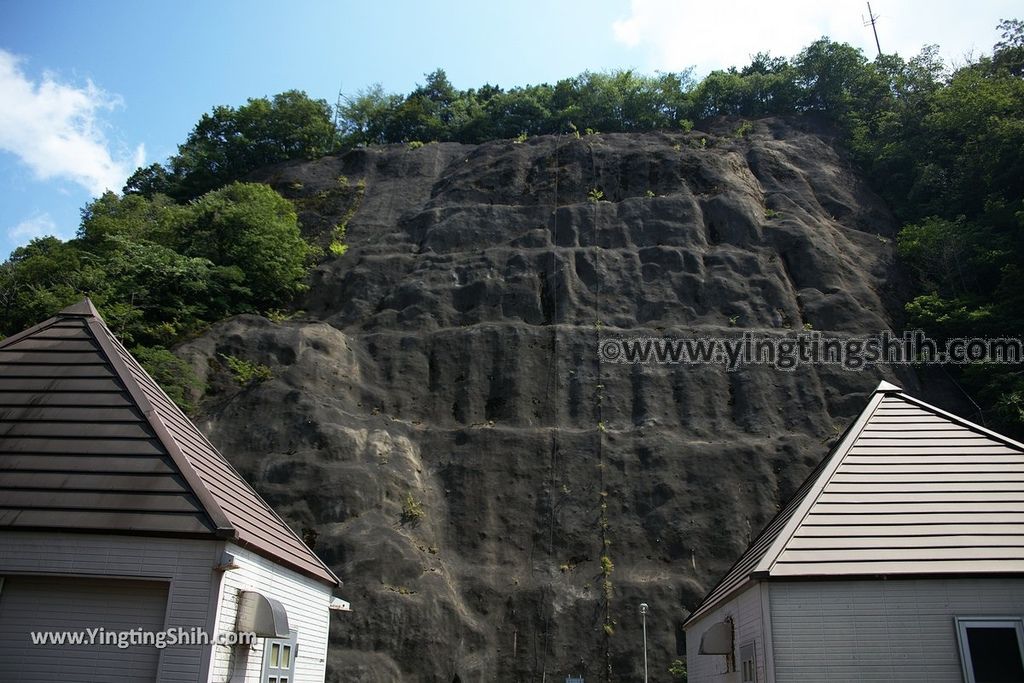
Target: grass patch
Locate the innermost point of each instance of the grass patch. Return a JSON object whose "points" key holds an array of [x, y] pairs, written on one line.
{"points": [[412, 510], [247, 372]]}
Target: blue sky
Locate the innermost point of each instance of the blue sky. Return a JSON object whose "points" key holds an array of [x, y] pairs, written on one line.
{"points": [[90, 89]]}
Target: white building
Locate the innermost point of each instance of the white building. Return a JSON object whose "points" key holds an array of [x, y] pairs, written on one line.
{"points": [[901, 558], [117, 516]]}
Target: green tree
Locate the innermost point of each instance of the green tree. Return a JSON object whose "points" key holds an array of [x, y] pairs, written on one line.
{"points": [[41, 278], [173, 294], [366, 117], [831, 76], [229, 143], [251, 228], [134, 216], [427, 113], [1008, 53], [174, 375], [151, 180]]}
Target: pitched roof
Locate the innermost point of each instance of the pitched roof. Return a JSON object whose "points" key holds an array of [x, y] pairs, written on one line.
{"points": [[909, 489], [89, 442]]}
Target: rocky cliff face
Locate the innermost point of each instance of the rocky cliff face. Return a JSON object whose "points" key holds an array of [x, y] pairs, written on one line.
{"points": [[440, 417]]}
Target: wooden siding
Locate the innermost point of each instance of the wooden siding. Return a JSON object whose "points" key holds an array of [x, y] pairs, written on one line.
{"points": [[306, 602], [186, 564], [894, 505], [895, 630], [745, 610]]}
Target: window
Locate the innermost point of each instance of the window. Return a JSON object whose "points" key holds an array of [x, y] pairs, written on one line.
{"points": [[991, 649], [279, 659], [748, 663]]}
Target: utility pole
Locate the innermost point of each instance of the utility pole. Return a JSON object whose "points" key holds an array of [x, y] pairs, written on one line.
{"points": [[872, 18], [643, 613]]}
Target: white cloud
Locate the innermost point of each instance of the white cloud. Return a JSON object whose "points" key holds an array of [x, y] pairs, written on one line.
{"points": [[55, 129], [38, 225], [676, 34]]}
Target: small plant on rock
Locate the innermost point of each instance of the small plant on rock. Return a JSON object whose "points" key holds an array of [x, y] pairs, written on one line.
{"points": [[412, 510], [678, 670], [247, 372], [744, 129]]}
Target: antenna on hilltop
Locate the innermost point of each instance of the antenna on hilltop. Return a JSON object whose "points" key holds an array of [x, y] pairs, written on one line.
{"points": [[872, 18], [338, 104]]}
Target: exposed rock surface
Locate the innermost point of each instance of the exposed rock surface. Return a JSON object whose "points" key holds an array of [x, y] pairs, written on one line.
{"points": [[449, 361]]}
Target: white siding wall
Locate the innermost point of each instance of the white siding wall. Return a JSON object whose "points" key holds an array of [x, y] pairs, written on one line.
{"points": [[745, 610], [306, 601], [891, 630], [186, 564]]}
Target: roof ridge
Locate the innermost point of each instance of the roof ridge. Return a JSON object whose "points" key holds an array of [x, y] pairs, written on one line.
{"points": [[256, 494], [887, 387], [875, 456], [83, 308], [261, 500], [786, 512], [196, 480], [109, 346]]}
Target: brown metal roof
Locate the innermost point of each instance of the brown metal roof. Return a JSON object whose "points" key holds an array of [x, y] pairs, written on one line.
{"points": [[910, 489], [89, 442]]}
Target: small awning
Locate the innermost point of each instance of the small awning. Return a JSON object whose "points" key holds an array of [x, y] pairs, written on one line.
{"points": [[717, 640], [261, 615], [339, 605]]}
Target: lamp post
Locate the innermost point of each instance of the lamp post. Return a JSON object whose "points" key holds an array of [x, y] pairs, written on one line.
{"points": [[643, 614]]}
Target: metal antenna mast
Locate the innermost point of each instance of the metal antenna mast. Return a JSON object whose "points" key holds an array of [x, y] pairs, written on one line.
{"points": [[872, 18], [338, 104]]}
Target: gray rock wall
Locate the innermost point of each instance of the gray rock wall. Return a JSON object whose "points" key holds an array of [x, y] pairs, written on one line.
{"points": [[449, 359]]}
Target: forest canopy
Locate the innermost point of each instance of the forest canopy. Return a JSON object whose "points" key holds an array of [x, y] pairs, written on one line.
{"points": [[191, 242]]}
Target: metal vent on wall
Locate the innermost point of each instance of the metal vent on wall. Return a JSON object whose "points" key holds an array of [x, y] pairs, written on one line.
{"points": [[261, 615], [717, 640]]}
